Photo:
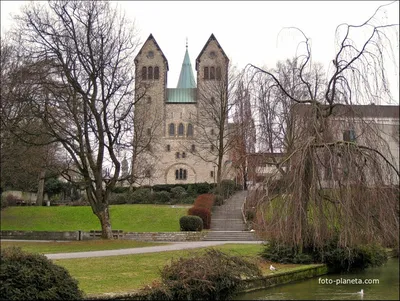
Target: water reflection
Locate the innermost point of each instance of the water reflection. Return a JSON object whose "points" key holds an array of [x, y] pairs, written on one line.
{"points": [[342, 287]]}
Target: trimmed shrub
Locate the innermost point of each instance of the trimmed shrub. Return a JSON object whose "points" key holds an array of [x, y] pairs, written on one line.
{"points": [[204, 201], [191, 223], [203, 213], [202, 187], [25, 276], [178, 192], [161, 197], [218, 278]]}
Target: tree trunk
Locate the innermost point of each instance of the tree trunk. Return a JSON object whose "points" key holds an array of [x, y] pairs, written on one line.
{"points": [[40, 192], [104, 217]]}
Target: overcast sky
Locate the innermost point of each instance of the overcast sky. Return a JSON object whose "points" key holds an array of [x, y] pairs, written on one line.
{"points": [[248, 31]]}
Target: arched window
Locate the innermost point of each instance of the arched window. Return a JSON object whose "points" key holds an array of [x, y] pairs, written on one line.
{"points": [[157, 72], [168, 148], [190, 130], [180, 129], [144, 73], [183, 155], [212, 131], [218, 73], [172, 129], [212, 73], [206, 76], [150, 72], [193, 148], [180, 174], [177, 155]]}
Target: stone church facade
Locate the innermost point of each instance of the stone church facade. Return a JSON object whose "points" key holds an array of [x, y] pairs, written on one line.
{"points": [[174, 135]]}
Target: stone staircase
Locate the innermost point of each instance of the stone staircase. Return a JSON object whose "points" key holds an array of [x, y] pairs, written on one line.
{"points": [[227, 223]]}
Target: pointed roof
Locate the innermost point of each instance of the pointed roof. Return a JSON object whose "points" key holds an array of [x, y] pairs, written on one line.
{"points": [[186, 78], [211, 38], [158, 47]]}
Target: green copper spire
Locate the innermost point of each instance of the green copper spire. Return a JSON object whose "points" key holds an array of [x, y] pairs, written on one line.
{"points": [[186, 78]]}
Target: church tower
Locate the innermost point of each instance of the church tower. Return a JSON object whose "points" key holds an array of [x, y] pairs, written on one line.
{"points": [[168, 143]]}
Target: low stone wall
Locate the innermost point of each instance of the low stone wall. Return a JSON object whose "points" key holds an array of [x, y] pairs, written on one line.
{"points": [[165, 236], [316, 270], [40, 235], [118, 234]]}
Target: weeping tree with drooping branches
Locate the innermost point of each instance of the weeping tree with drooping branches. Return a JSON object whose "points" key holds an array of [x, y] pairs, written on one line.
{"points": [[342, 175]]}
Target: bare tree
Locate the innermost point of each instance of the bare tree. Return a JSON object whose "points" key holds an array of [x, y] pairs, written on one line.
{"points": [[339, 188], [215, 106], [244, 135], [80, 55], [25, 155]]}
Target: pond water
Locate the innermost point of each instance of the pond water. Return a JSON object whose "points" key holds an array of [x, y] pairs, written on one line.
{"points": [[338, 286]]}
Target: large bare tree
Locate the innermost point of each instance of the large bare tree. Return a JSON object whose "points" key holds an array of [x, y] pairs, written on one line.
{"points": [[79, 57], [338, 188], [25, 154], [244, 136]]}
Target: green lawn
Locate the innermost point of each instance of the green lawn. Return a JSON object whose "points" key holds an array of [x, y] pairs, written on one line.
{"points": [[76, 246], [128, 273], [129, 218]]}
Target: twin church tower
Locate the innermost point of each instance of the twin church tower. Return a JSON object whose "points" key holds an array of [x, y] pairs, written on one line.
{"points": [[176, 137]]}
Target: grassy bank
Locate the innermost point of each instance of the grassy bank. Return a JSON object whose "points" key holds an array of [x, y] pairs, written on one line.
{"points": [[76, 246], [118, 274], [129, 218]]}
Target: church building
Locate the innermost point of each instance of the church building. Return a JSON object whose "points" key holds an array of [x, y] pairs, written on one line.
{"points": [[176, 140]]}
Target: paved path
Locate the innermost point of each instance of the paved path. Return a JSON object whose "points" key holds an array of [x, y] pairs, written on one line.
{"points": [[170, 247]]}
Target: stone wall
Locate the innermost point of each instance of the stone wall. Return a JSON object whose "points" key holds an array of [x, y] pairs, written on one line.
{"points": [[83, 235], [40, 235], [165, 236]]}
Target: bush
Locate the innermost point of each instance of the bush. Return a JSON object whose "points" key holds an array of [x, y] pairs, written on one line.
{"points": [[228, 187], [284, 254], [204, 201], [82, 202], [161, 197], [191, 223], [27, 276], [141, 196], [3, 203], [202, 188], [13, 200], [250, 214], [338, 259], [359, 258], [120, 198], [119, 189], [218, 278], [203, 213], [178, 192], [218, 200]]}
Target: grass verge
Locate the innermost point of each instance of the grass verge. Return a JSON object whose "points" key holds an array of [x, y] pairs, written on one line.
{"points": [[118, 274], [129, 218]]}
